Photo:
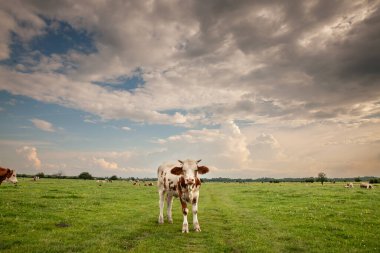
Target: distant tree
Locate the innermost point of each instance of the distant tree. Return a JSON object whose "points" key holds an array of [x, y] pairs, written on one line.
{"points": [[322, 177], [40, 175], [357, 179], [85, 175], [59, 174], [114, 177], [309, 180]]}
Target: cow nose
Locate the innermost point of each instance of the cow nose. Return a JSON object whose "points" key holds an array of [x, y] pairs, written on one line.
{"points": [[190, 181]]}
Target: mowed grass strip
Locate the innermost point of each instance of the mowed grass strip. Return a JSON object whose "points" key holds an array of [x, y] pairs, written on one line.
{"points": [[53, 215]]}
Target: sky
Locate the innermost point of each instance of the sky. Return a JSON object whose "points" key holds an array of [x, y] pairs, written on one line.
{"points": [[253, 88]]}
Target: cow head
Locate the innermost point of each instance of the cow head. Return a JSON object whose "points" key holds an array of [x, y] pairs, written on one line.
{"points": [[11, 176], [189, 169]]}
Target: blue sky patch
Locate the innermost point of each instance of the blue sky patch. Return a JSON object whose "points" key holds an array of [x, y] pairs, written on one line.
{"points": [[129, 83], [58, 38]]}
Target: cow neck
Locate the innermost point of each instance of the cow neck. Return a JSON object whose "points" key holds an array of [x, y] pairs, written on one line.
{"points": [[186, 190]]}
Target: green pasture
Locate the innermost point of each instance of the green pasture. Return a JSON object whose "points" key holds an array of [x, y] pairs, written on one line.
{"points": [[53, 215]]}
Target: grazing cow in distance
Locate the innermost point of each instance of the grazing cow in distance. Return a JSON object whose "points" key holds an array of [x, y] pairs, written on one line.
{"points": [[8, 175], [180, 180], [101, 182], [349, 185], [366, 185]]}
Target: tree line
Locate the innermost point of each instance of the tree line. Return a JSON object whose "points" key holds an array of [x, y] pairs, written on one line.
{"points": [[320, 178]]}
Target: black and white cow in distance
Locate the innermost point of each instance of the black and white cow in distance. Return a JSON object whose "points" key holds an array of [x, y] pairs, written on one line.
{"points": [[180, 180]]}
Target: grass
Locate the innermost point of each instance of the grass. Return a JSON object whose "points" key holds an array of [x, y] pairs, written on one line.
{"points": [[53, 215]]}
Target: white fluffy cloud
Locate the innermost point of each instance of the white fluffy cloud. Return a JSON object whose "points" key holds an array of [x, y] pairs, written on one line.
{"points": [[30, 153], [266, 147], [225, 148], [105, 164], [43, 125], [125, 128]]}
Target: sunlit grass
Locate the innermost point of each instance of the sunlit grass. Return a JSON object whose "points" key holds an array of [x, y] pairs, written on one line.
{"points": [[54, 215]]}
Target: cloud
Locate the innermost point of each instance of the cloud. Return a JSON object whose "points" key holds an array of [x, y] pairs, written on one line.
{"points": [[266, 147], [12, 17], [101, 162], [43, 125], [30, 154], [222, 61], [225, 148], [125, 128]]}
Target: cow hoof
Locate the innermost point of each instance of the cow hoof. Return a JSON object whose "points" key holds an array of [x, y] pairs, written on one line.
{"points": [[185, 228], [160, 220], [197, 228], [170, 221]]}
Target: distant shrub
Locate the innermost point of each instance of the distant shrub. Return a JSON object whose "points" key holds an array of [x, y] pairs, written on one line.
{"points": [[40, 175], [85, 175], [309, 180], [357, 179], [322, 177], [114, 177], [374, 180]]}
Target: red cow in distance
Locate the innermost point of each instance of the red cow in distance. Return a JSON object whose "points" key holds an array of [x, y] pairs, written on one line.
{"points": [[8, 175]]}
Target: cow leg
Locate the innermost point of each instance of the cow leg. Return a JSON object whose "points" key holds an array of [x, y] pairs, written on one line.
{"points": [[161, 203], [197, 228], [170, 202], [185, 224]]}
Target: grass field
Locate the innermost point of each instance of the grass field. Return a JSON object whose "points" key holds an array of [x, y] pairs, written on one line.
{"points": [[53, 215]]}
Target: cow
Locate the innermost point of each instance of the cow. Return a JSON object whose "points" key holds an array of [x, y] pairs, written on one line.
{"points": [[366, 185], [101, 182], [180, 180], [349, 185], [8, 175]]}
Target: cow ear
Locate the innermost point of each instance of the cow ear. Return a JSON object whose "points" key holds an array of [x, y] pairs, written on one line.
{"points": [[199, 161], [202, 169], [176, 171]]}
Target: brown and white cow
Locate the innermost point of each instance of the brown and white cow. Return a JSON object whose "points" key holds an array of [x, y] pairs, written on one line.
{"points": [[8, 175], [180, 180]]}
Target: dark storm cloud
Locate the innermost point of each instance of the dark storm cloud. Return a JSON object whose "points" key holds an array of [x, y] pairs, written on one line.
{"points": [[338, 71], [257, 25], [359, 54]]}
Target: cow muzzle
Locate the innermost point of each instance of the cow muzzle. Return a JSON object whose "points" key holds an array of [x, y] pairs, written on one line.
{"points": [[190, 181]]}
